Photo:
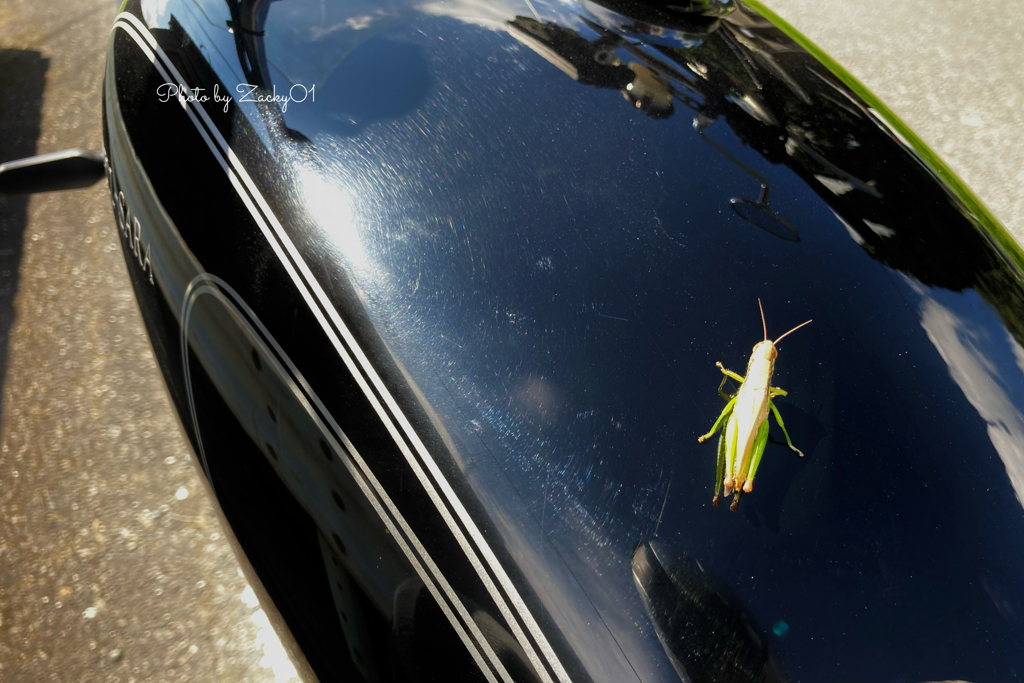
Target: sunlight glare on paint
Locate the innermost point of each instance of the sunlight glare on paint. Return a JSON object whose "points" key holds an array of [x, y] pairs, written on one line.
{"points": [[331, 207]]}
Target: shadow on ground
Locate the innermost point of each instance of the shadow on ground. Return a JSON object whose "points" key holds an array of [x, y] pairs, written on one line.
{"points": [[21, 91]]}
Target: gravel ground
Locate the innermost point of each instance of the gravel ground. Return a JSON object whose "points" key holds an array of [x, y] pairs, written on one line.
{"points": [[113, 565]]}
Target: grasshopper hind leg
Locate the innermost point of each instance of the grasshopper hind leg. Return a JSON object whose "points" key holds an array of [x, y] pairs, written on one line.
{"points": [[721, 468], [758, 450]]}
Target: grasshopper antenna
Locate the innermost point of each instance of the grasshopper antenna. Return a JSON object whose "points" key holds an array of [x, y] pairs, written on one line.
{"points": [[791, 331], [764, 324]]}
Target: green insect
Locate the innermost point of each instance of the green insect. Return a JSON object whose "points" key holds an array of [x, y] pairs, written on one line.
{"points": [[742, 442]]}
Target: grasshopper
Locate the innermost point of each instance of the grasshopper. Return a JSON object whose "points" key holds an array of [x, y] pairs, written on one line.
{"points": [[742, 442]]}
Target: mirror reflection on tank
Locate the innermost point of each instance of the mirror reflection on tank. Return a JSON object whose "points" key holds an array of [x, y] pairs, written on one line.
{"points": [[707, 634], [757, 211], [788, 108]]}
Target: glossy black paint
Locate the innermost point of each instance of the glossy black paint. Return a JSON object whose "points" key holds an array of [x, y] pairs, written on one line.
{"points": [[707, 636], [473, 273]]}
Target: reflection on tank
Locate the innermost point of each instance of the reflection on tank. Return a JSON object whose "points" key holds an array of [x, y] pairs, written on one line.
{"points": [[756, 211], [371, 583], [781, 102], [421, 654], [706, 633], [363, 566], [248, 26], [595, 63]]}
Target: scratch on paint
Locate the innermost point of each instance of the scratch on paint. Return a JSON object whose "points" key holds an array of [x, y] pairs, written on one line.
{"points": [[658, 523]]}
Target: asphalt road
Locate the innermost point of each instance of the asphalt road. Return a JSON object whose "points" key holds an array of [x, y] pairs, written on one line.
{"points": [[113, 566]]}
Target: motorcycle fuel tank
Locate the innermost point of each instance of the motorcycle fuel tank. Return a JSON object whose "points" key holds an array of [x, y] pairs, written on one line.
{"points": [[439, 289]]}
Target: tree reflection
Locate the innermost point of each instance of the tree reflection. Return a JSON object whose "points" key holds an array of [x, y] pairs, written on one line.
{"points": [[737, 67]]}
